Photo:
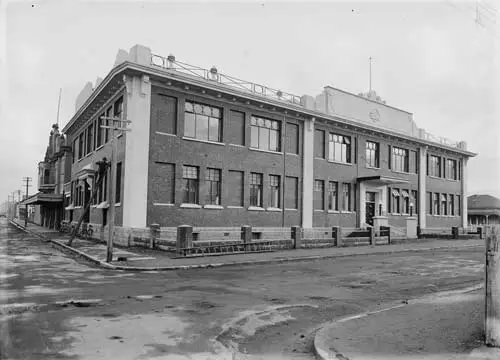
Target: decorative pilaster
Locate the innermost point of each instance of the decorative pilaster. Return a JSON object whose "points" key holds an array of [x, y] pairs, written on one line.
{"points": [[463, 202], [308, 174]]}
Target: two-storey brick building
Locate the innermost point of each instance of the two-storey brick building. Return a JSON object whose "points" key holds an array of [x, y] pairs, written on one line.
{"points": [[208, 149]]}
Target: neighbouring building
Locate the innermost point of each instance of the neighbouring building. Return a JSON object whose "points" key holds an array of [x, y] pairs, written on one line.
{"points": [[483, 210], [207, 149]]}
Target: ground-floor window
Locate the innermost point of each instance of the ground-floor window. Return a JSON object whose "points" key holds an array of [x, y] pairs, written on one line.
{"points": [[444, 204], [256, 189], [190, 184], [406, 201], [332, 195], [274, 182], [395, 197], [451, 205], [213, 180], [319, 190], [435, 204], [346, 195]]}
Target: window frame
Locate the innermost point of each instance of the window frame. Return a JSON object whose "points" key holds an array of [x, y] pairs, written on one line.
{"points": [[275, 191], [319, 190], [213, 179], [372, 153], [434, 166], [344, 143], [190, 185], [333, 195], [198, 116], [400, 159], [256, 189], [260, 125]]}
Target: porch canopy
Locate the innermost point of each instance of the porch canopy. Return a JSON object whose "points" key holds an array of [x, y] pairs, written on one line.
{"points": [[43, 199], [380, 180]]}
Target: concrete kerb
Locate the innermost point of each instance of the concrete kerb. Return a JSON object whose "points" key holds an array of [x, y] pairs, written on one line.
{"points": [[72, 251], [324, 351]]}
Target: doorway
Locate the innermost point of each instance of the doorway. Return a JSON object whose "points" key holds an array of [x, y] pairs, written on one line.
{"points": [[370, 207]]}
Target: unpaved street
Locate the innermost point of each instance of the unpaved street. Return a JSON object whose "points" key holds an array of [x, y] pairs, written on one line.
{"points": [[270, 311]]}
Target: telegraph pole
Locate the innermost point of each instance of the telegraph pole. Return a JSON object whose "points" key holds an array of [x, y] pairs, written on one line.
{"points": [[117, 124], [27, 180]]}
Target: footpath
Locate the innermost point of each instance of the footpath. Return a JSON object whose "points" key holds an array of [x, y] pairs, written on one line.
{"points": [[438, 327], [139, 259]]}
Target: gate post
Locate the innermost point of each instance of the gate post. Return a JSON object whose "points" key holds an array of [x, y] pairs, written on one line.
{"points": [[372, 235], [184, 238], [337, 235], [492, 287]]}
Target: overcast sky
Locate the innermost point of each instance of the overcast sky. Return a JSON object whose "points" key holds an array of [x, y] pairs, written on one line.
{"points": [[431, 59]]}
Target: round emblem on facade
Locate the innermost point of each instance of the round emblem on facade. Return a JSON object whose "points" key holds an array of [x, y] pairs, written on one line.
{"points": [[374, 115]]}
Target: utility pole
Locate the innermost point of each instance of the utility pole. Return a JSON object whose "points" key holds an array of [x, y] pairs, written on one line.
{"points": [[117, 124], [27, 180], [492, 287]]}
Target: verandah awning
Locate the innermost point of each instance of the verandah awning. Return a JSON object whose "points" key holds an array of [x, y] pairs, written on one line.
{"points": [[382, 180], [43, 199]]}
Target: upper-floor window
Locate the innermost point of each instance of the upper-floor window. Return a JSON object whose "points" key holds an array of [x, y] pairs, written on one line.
{"points": [[435, 166], [372, 154], [118, 108], [90, 139], [81, 142], [451, 169], [339, 148], [265, 134], [202, 122], [319, 144], [399, 159]]}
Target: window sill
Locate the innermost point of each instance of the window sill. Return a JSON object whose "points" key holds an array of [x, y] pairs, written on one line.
{"points": [[191, 206], [256, 208], [372, 167], [402, 172], [318, 158], [333, 212], [274, 209], [347, 212], [319, 210], [213, 207], [234, 207], [266, 151], [203, 141], [287, 209], [118, 204], [436, 177], [166, 134], [100, 147], [237, 145], [292, 154], [339, 162], [119, 135], [162, 204]]}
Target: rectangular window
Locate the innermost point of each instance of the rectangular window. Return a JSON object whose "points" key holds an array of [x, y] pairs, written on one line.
{"points": [[292, 193], [333, 203], [235, 187], [75, 150], [265, 134], [292, 138], [429, 203], [118, 182], [319, 144], [213, 180], [451, 204], [190, 184], [104, 187], [236, 128], [118, 108], [396, 202], [458, 204], [90, 138], [319, 191], [164, 183], [414, 161], [108, 122], [339, 148], [256, 189], [202, 122], [372, 154], [165, 113], [444, 204], [451, 169], [99, 131], [406, 201], [435, 204], [346, 195], [275, 193], [435, 166], [399, 159], [414, 200], [81, 142]]}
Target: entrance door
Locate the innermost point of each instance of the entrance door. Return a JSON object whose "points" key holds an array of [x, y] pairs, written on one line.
{"points": [[370, 207]]}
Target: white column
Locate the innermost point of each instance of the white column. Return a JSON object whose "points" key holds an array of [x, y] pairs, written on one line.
{"points": [[361, 205], [422, 194], [464, 192], [135, 179], [308, 174]]}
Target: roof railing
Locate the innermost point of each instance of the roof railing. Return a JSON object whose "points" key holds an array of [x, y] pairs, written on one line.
{"points": [[170, 63]]}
